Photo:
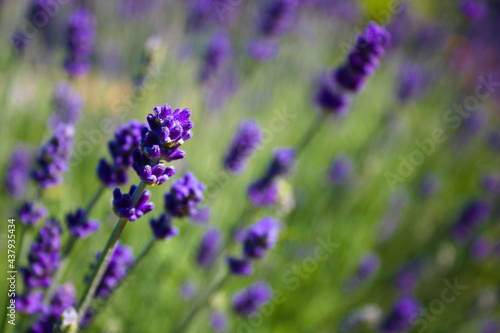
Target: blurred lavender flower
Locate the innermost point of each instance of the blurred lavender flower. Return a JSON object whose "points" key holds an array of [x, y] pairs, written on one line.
{"points": [[341, 169], [202, 215], [17, 174], [412, 81], [481, 248], [31, 213], [474, 10], [30, 302], [79, 225], [490, 326], [473, 215], [63, 298], [80, 42], [329, 97], [429, 185], [209, 248], [122, 204], [491, 183], [163, 228], [367, 268], [126, 140], [52, 159], [400, 319], [44, 257], [247, 302], [408, 276], [245, 142], [184, 196], [67, 106], [218, 321], [216, 57], [188, 291], [134, 9], [19, 40], [240, 266]]}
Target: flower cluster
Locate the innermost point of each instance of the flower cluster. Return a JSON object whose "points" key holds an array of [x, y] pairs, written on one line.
{"points": [[264, 192], [400, 319], [216, 56], [67, 106], [80, 41], [79, 225], [124, 207], [52, 159], [151, 175], [259, 238], [184, 196], [363, 60], [209, 248], [17, 174], [162, 227], [473, 216], [121, 148], [245, 142], [31, 213], [247, 302]]}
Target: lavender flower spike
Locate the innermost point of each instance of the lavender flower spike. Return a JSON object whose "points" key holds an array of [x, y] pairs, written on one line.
{"points": [[151, 175], [399, 320], [80, 42], [122, 204], [245, 142], [473, 215], [30, 303], [260, 238], [209, 248], [184, 196], [31, 213], [17, 175], [162, 227], [79, 225], [67, 106], [216, 56], [247, 302]]}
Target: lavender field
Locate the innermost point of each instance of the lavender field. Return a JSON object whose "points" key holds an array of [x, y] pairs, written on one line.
{"points": [[250, 166]]}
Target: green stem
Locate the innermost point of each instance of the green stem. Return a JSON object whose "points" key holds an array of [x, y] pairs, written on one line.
{"points": [[106, 257], [310, 133]]}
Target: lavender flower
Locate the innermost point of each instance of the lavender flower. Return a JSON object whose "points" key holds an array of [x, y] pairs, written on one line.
{"points": [[490, 326], [80, 42], [277, 17], [52, 159], [330, 98], [31, 213], [79, 225], [473, 215], [245, 142], [151, 175], [474, 10], [481, 248], [209, 248], [67, 106], [367, 268], [121, 148], [408, 276], [216, 56], [399, 320], [240, 266], [134, 9], [202, 215], [341, 169], [188, 291], [19, 40], [263, 193], [30, 303], [263, 50], [17, 175], [44, 257], [162, 227], [411, 82], [247, 302], [122, 204], [184, 196], [218, 321], [491, 183]]}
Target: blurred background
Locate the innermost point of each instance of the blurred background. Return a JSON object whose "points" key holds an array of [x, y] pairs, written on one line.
{"points": [[385, 186]]}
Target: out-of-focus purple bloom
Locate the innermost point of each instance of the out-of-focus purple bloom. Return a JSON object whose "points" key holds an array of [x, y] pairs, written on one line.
{"points": [[263, 50], [247, 302], [474, 10], [429, 185], [341, 169], [168, 131], [52, 159], [400, 319], [209, 248], [282, 163], [494, 140], [79, 225], [67, 106], [44, 257], [122, 204], [408, 276], [481, 248], [184, 196], [261, 237], [474, 214], [134, 9], [18, 171], [216, 57], [64, 298], [490, 326], [31, 213], [245, 142], [218, 321], [491, 183], [163, 228], [369, 266], [126, 140], [277, 17], [151, 175], [80, 41], [261, 193], [188, 291], [412, 82], [240, 266], [19, 40], [202, 215], [30, 303], [328, 96]]}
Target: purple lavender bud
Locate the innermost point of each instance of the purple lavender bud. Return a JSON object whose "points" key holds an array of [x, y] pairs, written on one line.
{"points": [[121, 259], [367, 268], [52, 159], [491, 183], [17, 174], [80, 42], [490, 326], [199, 14], [168, 131], [67, 106], [261, 237], [209, 248], [263, 50], [245, 142], [481, 248], [329, 96], [162, 227], [474, 10], [202, 215], [474, 214], [64, 297], [400, 319], [408, 276], [184, 196], [218, 321], [247, 302], [341, 169], [262, 193], [411, 82], [277, 17], [44, 257], [122, 204], [429, 185], [282, 163], [79, 225], [240, 266], [19, 40], [188, 291], [31, 213], [30, 303], [151, 175], [216, 56]]}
